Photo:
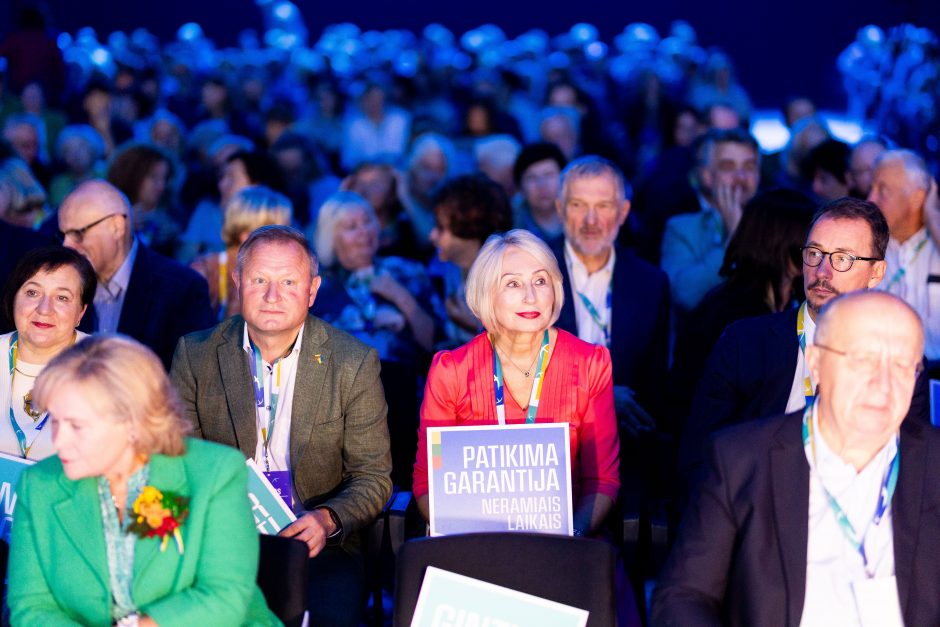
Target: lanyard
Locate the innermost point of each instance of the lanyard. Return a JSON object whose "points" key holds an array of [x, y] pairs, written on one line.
{"points": [[25, 446], [885, 495], [273, 390], [498, 388], [223, 284], [595, 316], [808, 392], [900, 272]]}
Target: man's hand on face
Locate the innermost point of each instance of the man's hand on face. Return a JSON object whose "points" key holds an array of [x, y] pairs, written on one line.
{"points": [[312, 528], [728, 202]]}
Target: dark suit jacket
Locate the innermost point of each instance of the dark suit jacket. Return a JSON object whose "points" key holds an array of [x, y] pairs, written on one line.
{"points": [[740, 555], [639, 338], [749, 375], [164, 301], [339, 449]]}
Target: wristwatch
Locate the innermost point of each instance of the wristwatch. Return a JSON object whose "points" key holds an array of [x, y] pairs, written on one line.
{"points": [[131, 620], [335, 537]]}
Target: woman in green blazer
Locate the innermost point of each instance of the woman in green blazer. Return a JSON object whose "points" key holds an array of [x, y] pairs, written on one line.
{"points": [[130, 523]]}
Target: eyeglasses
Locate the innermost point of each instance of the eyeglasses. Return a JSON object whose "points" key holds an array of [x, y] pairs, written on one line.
{"points": [[79, 234], [840, 261], [868, 362]]}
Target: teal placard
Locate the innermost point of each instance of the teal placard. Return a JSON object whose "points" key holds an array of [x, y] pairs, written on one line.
{"points": [[10, 469], [451, 600], [270, 512]]}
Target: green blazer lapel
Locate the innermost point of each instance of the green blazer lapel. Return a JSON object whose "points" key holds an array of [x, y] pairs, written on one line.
{"points": [[79, 515], [312, 373], [239, 394], [167, 474]]}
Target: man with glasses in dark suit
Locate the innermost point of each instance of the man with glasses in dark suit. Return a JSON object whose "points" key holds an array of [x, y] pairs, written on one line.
{"points": [[140, 293]]}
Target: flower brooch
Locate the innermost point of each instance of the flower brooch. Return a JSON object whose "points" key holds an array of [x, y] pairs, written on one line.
{"points": [[159, 515]]}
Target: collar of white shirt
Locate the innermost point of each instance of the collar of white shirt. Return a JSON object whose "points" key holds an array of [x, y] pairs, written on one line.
{"points": [[119, 282], [295, 350], [578, 271]]}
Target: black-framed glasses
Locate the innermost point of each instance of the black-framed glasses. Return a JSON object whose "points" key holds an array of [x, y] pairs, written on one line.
{"points": [[868, 362], [79, 234], [840, 261]]}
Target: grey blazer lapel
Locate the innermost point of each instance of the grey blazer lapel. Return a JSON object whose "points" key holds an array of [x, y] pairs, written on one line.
{"points": [[236, 379], [790, 487], [313, 370]]}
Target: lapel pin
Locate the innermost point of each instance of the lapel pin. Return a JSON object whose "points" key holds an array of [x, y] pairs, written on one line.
{"points": [[317, 357]]}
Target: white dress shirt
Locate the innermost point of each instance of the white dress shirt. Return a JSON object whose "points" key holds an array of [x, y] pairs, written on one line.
{"points": [[832, 563], [907, 278], [109, 297], [279, 442], [797, 399], [595, 286]]}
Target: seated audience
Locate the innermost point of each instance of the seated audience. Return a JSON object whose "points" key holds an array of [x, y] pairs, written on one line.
{"points": [[46, 296], [131, 523], [140, 293], [862, 164], [384, 301], [762, 275], [727, 172], [900, 187], [811, 518], [515, 288], [143, 174], [80, 149], [537, 174], [758, 367], [827, 166], [467, 210], [378, 184], [248, 209], [431, 163], [612, 297], [326, 442]]}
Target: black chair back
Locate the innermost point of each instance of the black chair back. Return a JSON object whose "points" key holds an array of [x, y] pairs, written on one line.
{"points": [[574, 571], [282, 577]]}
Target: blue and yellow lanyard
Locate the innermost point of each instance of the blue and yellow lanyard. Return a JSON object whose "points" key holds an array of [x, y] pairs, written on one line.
{"points": [[596, 316], [900, 272], [885, 495], [808, 392], [273, 392], [498, 388], [20, 435]]}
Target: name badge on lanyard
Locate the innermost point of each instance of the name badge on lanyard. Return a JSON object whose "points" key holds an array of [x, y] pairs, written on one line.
{"points": [[499, 389], [808, 393], [25, 443], [267, 415], [856, 538]]}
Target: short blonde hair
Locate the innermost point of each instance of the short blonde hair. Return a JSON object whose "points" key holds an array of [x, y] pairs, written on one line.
{"points": [[332, 209], [126, 380], [483, 279], [251, 208]]}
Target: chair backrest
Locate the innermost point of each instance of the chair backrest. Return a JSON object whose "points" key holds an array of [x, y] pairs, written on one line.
{"points": [[282, 577], [574, 571]]}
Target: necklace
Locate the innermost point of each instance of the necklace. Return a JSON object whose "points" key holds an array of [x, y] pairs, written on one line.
{"points": [[525, 372], [28, 407]]}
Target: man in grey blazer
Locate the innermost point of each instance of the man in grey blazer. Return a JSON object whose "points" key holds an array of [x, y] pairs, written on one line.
{"points": [[304, 401]]}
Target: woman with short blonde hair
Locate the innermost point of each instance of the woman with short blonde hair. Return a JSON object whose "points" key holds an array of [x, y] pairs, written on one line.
{"points": [[483, 279], [521, 370], [248, 210], [131, 523]]}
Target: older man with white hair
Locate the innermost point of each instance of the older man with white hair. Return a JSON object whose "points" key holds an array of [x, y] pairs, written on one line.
{"points": [[901, 186], [827, 515]]}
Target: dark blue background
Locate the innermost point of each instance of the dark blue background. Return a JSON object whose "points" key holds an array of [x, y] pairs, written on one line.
{"points": [[779, 48]]}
